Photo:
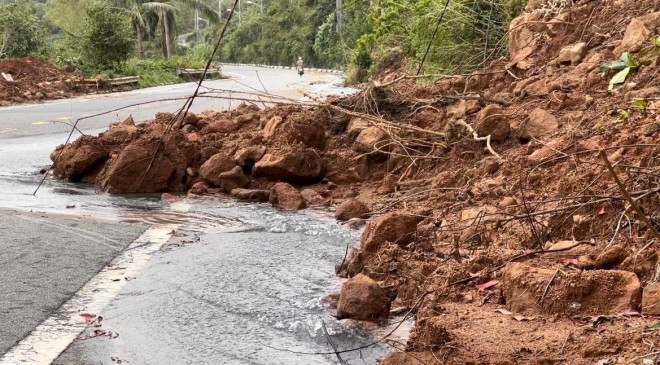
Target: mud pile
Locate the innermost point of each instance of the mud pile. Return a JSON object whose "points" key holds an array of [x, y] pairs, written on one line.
{"points": [[495, 212], [38, 79]]}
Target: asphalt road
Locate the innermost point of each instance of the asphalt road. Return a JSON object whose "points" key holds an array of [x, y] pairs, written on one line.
{"points": [[53, 116]]}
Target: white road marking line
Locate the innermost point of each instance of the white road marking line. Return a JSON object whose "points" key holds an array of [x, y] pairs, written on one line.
{"points": [[46, 342]]}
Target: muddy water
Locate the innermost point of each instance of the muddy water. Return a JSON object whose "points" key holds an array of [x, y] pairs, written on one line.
{"points": [[241, 285]]}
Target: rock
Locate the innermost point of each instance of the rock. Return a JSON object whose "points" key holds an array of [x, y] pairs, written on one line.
{"points": [[540, 123], [520, 36], [348, 176], [651, 300], [199, 188], [247, 118], [573, 54], [637, 34], [428, 333], [611, 257], [253, 195], [463, 108], [361, 298], [80, 158], [167, 197], [214, 166], [387, 186], [271, 127], [232, 179], [285, 196], [191, 172], [191, 119], [312, 197], [351, 208], [222, 126], [128, 121], [355, 127], [188, 128], [581, 228], [507, 202], [392, 227], [409, 358], [588, 292], [491, 121], [371, 141], [470, 214], [300, 166], [248, 156], [245, 108], [646, 93], [650, 129]]}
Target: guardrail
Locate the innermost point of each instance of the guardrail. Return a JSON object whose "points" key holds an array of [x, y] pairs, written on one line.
{"points": [[112, 82], [196, 71], [330, 71]]}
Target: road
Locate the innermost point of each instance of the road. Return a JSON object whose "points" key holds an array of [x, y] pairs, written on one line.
{"points": [[193, 282]]}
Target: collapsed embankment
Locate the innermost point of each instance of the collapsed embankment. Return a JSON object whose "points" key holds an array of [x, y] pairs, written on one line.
{"points": [[495, 212]]}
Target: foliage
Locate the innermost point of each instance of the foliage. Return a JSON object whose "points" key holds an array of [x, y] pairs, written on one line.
{"points": [[107, 39], [21, 31], [631, 63]]}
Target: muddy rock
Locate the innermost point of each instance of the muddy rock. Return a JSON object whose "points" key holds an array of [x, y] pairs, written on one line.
{"points": [[588, 292], [351, 208], [248, 156], [312, 197], [491, 121], [361, 298], [573, 53], [285, 196], [355, 127], [408, 358], [215, 166], [428, 333], [392, 227], [298, 128], [300, 166], [271, 127], [199, 188], [463, 108], [637, 34], [649, 92], [80, 158], [651, 300], [232, 179], [253, 195], [540, 123], [507, 202], [611, 257], [388, 185], [370, 141], [222, 126]]}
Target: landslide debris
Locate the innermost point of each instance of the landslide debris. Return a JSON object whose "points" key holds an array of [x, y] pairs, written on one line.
{"points": [[492, 213]]}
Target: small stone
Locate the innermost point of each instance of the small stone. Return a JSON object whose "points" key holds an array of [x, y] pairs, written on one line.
{"points": [[573, 54], [351, 208], [650, 129], [651, 299], [312, 197], [507, 202], [611, 257], [253, 195], [191, 172], [286, 197], [540, 123], [361, 298]]}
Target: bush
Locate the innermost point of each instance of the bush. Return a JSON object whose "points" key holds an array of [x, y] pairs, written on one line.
{"points": [[21, 31], [107, 39]]}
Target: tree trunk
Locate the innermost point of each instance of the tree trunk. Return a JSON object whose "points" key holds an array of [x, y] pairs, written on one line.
{"points": [[166, 35], [140, 46]]}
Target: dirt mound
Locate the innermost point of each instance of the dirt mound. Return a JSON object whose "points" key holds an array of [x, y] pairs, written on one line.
{"points": [[38, 79]]}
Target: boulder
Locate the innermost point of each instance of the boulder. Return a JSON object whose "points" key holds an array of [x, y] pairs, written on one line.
{"points": [[371, 141], [492, 121], [611, 257], [78, 159], [637, 34], [361, 298], [297, 128], [248, 156], [232, 179], [573, 54], [299, 166], [651, 300], [253, 195], [285, 196], [214, 166], [587, 292], [351, 208], [540, 123], [392, 227], [312, 197], [355, 127]]}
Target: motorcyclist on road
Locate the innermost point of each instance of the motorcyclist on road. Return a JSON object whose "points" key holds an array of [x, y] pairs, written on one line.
{"points": [[300, 66]]}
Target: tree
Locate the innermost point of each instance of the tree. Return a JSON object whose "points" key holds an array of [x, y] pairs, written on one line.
{"points": [[107, 38], [21, 31]]}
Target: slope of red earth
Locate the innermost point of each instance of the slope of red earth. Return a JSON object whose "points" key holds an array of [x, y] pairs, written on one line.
{"points": [[37, 79], [519, 249]]}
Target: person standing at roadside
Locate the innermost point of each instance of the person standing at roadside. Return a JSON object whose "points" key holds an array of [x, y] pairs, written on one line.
{"points": [[300, 66]]}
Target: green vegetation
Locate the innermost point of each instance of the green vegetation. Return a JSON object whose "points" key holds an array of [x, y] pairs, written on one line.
{"points": [[628, 63], [153, 38]]}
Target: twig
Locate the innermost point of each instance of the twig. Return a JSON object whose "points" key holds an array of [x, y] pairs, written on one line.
{"points": [[477, 138], [547, 287], [435, 31], [332, 344], [624, 192]]}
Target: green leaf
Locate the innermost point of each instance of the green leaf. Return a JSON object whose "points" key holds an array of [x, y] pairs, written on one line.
{"points": [[643, 52], [653, 327], [623, 114], [639, 104], [619, 78]]}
